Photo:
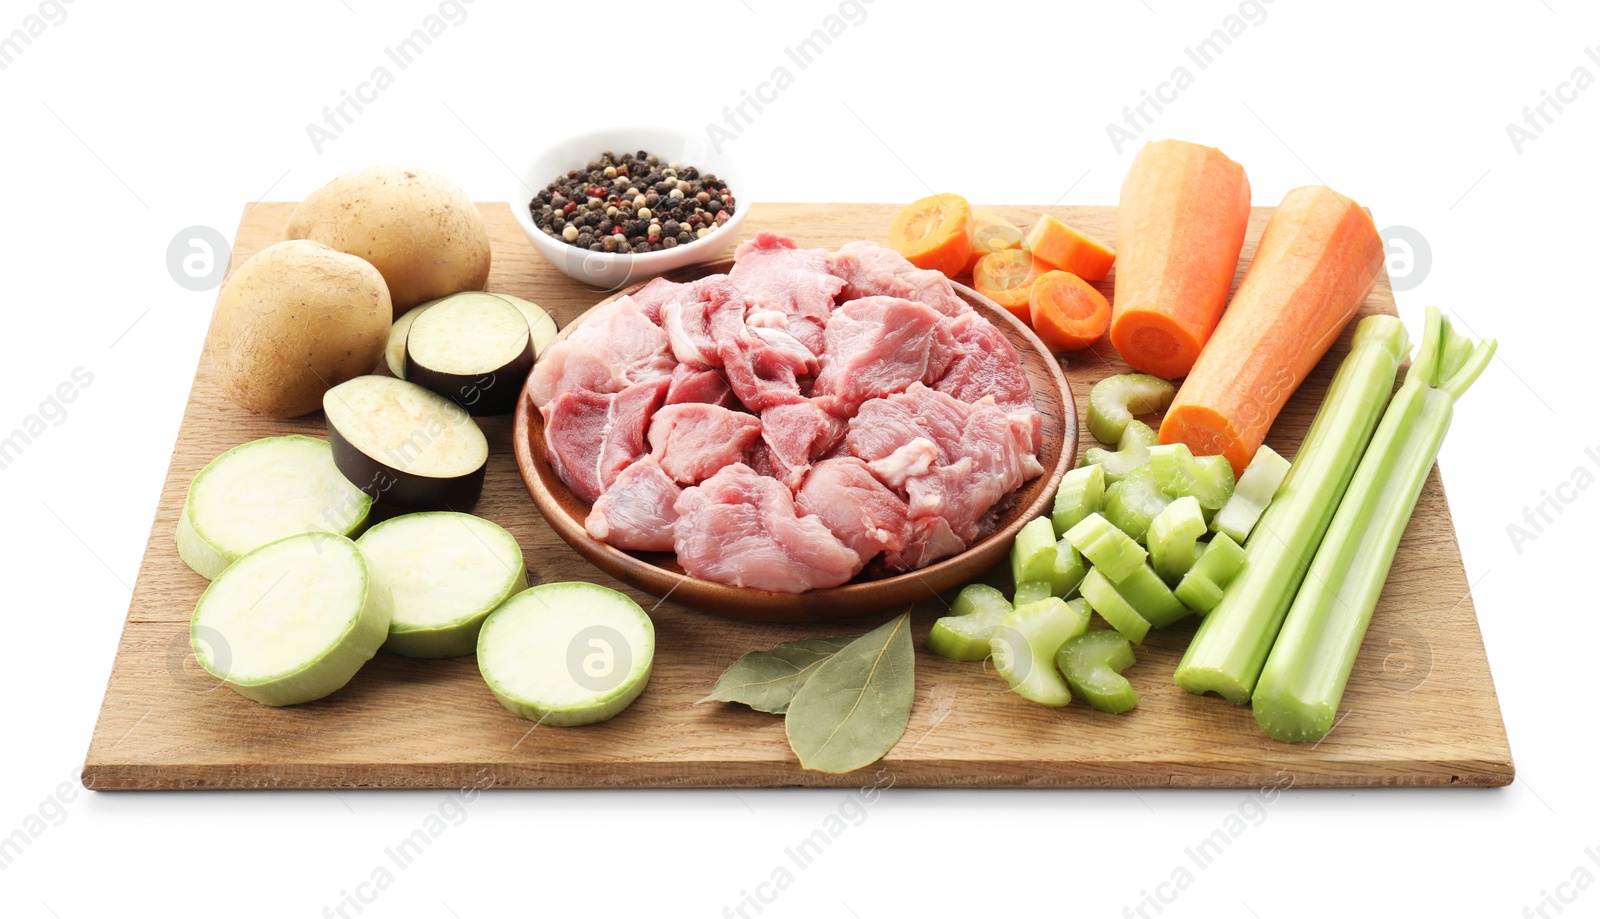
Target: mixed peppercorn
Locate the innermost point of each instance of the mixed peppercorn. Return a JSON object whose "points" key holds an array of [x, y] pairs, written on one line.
{"points": [[632, 203]]}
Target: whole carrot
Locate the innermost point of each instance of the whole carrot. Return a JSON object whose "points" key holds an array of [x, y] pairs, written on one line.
{"points": [[1180, 225], [1318, 259]]}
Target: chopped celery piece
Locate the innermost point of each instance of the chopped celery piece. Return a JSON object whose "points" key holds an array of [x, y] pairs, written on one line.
{"points": [[1116, 399], [1069, 570], [1033, 554], [964, 634], [1232, 643], [1025, 645], [1208, 478], [1113, 607], [1251, 494], [1202, 585], [1082, 492], [1032, 592], [1108, 548], [1172, 536], [1133, 449], [1135, 502], [1304, 678], [1093, 664], [1151, 598]]}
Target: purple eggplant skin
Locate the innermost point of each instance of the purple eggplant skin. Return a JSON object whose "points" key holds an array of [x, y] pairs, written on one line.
{"points": [[492, 393]]}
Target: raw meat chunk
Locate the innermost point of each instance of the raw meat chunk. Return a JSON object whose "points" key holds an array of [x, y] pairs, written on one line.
{"points": [[637, 511], [658, 293], [741, 528], [930, 539], [883, 426], [978, 361], [615, 347], [711, 309], [874, 347], [590, 437], [795, 435], [761, 376], [871, 270], [775, 274], [708, 386], [914, 457], [856, 507], [693, 440]]}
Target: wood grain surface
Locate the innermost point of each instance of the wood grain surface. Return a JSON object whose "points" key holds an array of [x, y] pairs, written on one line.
{"points": [[1420, 709]]}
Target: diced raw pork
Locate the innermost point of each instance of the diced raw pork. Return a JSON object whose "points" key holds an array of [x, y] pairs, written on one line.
{"points": [[762, 376], [658, 293], [883, 426], [795, 435], [871, 270], [615, 347], [775, 274], [875, 346], [978, 361], [693, 440], [637, 511], [710, 309], [914, 457], [930, 539], [692, 385], [742, 528], [590, 437], [855, 506]]}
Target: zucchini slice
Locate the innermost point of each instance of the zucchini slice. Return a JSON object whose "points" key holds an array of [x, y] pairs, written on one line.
{"points": [[404, 445], [445, 573], [292, 621], [474, 349], [568, 653], [261, 492]]}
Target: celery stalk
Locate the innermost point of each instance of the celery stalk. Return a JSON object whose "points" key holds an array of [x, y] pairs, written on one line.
{"points": [[1232, 643], [1133, 449], [1251, 494], [1116, 399], [1304, 678], [1171, 538]]}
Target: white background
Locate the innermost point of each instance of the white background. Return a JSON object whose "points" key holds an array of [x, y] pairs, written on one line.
{"points": [[125, 123]]}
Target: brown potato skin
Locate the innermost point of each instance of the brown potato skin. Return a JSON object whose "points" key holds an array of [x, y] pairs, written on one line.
{"points": [[293, 321], [417, 228]]}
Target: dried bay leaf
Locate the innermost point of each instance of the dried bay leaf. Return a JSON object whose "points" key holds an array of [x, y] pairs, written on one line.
{"points": [[767, 680], [856, 704]]}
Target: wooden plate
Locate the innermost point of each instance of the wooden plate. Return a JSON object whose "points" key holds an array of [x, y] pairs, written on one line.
{"points": [[658, 572]]}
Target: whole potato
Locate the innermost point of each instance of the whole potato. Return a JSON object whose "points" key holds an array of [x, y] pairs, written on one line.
{"points": [[417, 228], [292, 322]]}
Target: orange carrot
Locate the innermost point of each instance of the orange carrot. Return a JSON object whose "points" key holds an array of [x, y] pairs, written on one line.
{"points": [[991, 234], [1180, 225], [1067, 312], [1006, 277], [1318, 259], [1065, 249], [934, 232]]}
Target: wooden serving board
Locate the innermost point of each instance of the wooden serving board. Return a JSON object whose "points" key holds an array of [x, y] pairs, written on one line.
{"points": [[1420, 709]]}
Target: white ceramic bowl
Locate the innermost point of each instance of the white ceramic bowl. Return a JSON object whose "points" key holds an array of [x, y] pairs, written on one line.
{"points": [[614, 270]]}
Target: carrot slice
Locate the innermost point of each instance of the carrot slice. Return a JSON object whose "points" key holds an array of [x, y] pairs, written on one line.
{"points": [[1318, 259], [1180, 225], [1067, 312], [1007, 277], [991, 234], [934, 232], [1065, 249]]}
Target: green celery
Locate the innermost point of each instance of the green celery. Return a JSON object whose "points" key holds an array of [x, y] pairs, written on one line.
{"points": [[1081, 493], [1231, 645], [1201, 587], [1111, 551], [1113, 607], [1135, 501], [1251, 494], [1025, 644], [1133, 449], [1116, 399], [1151, 597], [1032, 592], [1172, 536], [964, 634], [1304, 678], [1093, 664], [1208, 478]]}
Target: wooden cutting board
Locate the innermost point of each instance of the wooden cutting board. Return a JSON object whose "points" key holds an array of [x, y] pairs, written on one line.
{"points": [[1420, 709]]}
